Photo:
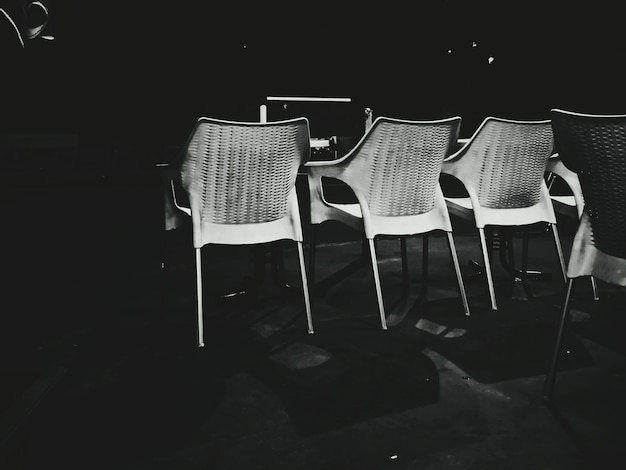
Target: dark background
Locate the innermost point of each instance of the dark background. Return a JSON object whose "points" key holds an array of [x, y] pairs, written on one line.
{"points": [[128, 71]]}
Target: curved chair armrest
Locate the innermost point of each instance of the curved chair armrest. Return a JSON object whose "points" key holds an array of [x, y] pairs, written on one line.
{"points": [[186, 210], [320, 209], [173, 209], [317, 169], [454, 165], [555, 165], [459, 149]]}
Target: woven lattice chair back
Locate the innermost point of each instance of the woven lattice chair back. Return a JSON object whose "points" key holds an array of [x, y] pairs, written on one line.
{"points": [[594, 146], [396, 167], [238, 174], [507, 160]]}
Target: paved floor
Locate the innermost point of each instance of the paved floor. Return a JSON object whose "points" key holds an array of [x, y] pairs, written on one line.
{"points": [[102, 369]]}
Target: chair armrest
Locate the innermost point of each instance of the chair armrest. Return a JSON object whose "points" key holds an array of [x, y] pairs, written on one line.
{"points": [[452, 167], [180, 207], [555, 165], [317, 169]]}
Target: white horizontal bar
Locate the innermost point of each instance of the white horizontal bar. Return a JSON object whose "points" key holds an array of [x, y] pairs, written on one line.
{"points": [[309, 98], [320, 143]]}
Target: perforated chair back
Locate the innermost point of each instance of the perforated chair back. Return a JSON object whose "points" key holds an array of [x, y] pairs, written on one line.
{"points": [[396, 166], [509, 160], [394, 172], [502, 167], [241, 177], [594, 146]]}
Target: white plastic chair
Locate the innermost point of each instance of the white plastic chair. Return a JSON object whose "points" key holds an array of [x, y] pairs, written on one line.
{"points": [[502, 167], [394, 172], [240, 178]]}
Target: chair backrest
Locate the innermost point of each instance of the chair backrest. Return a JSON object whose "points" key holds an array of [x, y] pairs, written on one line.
{"points": [[505, 161], [238, 173], [594, 146], [397, 163]]}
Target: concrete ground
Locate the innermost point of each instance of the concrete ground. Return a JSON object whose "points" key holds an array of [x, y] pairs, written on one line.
{"points": [[101, 367]]}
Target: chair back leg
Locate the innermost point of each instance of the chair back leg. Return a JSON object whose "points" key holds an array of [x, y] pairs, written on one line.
{"points": [[457, 270], [199, 297], [405, 265], [559, 250], [483, 245], [379, 294], [425, 262], [305, 289], [312, 237], [594, 289]]}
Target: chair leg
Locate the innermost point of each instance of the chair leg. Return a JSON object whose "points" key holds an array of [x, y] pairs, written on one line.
{"points": [[405, 265], [492, 292], [312, 234], [548, 387], [524, 271], [457, 270], [305, 289], [379, 294], [594, 288], [559, 250], [199, 297], [425, 262], [278, 265]]}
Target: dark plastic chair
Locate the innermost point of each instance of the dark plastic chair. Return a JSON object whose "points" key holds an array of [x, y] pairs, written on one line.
{"points": [[569, 205], [594, 147]]}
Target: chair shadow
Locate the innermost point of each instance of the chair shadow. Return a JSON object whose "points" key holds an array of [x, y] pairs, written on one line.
{"points": [[574, 420], [346, 373], [605, 321], [516, 341]]}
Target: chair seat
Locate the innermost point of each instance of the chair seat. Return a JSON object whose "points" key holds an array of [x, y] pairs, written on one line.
{"points": [[462, 207], [352, 209], [565, 200], [565, 205], [587, 260]]}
